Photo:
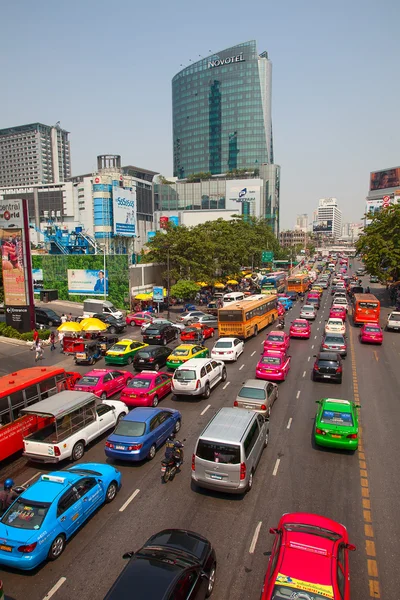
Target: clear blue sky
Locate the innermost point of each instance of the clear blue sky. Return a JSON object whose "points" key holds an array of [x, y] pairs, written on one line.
{"points": [[104, 70]]}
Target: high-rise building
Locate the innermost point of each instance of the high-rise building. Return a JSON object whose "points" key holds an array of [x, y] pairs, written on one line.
{"points": [[302, 222], [221, 109], [329, 219], [34, 154]]}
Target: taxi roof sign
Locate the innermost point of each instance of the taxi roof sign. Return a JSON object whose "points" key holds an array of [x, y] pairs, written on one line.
{"points": [[53, 478]]}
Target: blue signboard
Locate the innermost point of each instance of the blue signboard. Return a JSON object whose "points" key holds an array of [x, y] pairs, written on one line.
{"points": [[158, 294]]}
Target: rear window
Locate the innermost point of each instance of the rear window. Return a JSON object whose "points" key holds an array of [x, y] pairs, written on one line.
{"points": [[300, 325], [334, 339], [180, 352], [328, 363], [337, 418], [139, 383], [185, 375], [223, 345], [372, 329], [130, 429], [26, 514], [118, 348], [143, 354], [86, 380], [394, 317], [152, 331], [228, 454], [275, 338], [270, 360], [226, 316], [368, 304], [256, 393]]}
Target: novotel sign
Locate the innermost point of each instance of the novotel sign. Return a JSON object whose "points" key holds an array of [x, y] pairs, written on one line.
{"points": [[226, 61]]}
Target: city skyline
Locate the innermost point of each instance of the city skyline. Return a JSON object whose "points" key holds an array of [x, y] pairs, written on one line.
{"points": [[329, 134]]}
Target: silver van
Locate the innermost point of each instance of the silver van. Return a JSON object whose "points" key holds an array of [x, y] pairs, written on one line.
{"points": [[228, 450]]}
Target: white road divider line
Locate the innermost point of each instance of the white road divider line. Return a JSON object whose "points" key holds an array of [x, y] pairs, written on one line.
{"points": [[253, 353], [31, 479], [289, 423], [304, 374], [312, 347], [240, 368], [315, 337], [55, 588], [205, 410], [309, 358], [131, 497], [298, 395], [276, 467], [255, 538], [226, 385]]}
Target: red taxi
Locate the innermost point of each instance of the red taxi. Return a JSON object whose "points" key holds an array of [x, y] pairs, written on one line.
{"points": [[277, 340], [139, 318], [273, 366], [281, 310], [300, 328], [371, 333], [310, 558], [338, 312], [190, 334], [146, 389], [103, 382]]}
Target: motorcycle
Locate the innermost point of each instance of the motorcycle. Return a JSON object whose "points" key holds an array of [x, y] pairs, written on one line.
{"points": [[170, 466], [281, 324]]}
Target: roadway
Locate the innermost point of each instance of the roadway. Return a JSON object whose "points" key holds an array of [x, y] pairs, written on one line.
{"points": [[360, 490]]}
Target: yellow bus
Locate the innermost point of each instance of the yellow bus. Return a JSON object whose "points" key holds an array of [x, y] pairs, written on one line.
{"points": [[247, 317], [298, 283]]}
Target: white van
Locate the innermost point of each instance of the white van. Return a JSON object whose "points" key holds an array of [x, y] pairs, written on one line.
{"points": [[74, 420], [92, 306], [197, 376], [233, 297]]}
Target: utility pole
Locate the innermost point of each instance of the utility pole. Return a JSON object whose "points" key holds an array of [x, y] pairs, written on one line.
{"points": [[168, 282]]}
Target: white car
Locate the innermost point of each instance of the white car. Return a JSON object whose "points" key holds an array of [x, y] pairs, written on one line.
{"points": [[227, 349], [197, 377], [308, 312], [339, 295], [393, 321], [190, 317], [179, 326], [334, 325], [342, 302]]}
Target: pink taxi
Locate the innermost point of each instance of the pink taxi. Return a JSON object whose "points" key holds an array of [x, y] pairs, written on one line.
{"points": [[338, 312], [273, 366], [300, 328], [139, 318], [146, 389], [371, 333], [277, 340], [103, 382]]}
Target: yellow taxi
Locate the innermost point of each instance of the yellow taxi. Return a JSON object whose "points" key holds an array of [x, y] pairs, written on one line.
{"points": [[185, 352], [317, 288], [123, 351]]}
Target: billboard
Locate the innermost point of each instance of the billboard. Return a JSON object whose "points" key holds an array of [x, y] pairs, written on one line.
{"points": [[37, 278], [242, 190], [16, 264], [381, 180], [124, 207], [322, 226], [87, 282]]}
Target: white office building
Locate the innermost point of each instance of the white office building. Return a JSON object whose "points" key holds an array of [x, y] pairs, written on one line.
{"points": [[302, 223], [329, 219]]}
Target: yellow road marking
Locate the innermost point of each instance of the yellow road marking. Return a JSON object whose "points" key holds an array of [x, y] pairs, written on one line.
{"points": [[367, 516], [370, 548], [368, 530], [366, 503], [376, 356], [372, 568], [374, 590]]}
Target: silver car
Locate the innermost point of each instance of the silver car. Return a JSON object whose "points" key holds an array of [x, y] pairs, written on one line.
{"points": [[257, 395], [308, 312], [190, 317]]}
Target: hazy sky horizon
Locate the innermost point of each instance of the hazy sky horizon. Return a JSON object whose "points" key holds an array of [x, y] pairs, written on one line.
{"points": [[104, 71]]}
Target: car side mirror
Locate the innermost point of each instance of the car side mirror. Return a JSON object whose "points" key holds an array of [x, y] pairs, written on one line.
{"points": [[351, 547], [128, 554], [318, 402], [273, 530], [357, 405], [204, 575], [314, 356]]}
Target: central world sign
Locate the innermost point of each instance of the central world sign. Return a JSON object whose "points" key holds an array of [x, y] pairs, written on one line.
{"points": [[226, 61]]}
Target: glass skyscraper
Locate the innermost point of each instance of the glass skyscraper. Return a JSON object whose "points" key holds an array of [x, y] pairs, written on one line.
{"points": [[222, 113]]}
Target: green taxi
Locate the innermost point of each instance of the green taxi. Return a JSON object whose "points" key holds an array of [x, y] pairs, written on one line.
{"points": [[336, 424], [123, 351], [185, 352]]}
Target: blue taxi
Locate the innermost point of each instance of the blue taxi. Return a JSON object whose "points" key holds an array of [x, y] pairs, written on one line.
{"points": [[38, 524]]}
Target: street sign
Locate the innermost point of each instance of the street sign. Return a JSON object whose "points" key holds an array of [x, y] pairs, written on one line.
{"points": [[158, 294], [267, 256]]}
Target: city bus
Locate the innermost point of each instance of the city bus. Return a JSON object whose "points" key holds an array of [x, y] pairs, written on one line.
{"points": [[21, 389], [275, 282], [298, 283], [366, 309], [246, 318]]}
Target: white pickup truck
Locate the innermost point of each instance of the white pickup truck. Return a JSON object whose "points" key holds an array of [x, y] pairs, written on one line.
{"points": [[393, 321], [73, 420]]}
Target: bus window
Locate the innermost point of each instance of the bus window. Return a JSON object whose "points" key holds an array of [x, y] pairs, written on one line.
{"points": [[17, 399], [5, 418], [31, 394]]}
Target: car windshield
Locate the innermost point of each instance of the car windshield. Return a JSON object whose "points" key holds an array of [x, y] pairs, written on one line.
{"points": [[306, 592], [334, 339], [26, 514], [332, 417], [181, 352], [51, 313], [185, 375], [250, 392], [394, 317], [118, 348], [139, 383], [228, 454], [130, 429], [270, 360], [275, 338], [223, 345], [88, 380]]}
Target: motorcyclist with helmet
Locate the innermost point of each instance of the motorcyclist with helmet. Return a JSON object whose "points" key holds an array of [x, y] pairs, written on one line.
{"points": [[7, 495], [173, 449]]}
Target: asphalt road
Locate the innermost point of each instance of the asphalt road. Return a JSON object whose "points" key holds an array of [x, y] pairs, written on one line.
{"points": [[292, 475]]}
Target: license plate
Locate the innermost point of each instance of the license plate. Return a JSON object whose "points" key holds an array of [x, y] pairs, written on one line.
{"points": [[163, 469], [132, 396], [120, 447], [150, 337], [248, 406], [80, 355], [267, 370], [327, 376], [6, 548], [334, 435], [215, 476], [141, 359]]}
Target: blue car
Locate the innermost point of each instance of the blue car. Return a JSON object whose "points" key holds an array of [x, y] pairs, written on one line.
{"points": [[38, 524], [139, 434], [287, 303]]}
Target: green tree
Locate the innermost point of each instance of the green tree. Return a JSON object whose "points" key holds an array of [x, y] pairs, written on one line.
{"points": [[379, 245], [184, 289]]}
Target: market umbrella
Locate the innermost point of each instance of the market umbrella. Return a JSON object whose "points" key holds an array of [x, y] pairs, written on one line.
{"points": [[232, 282], [70, 326], [143, 297], [219, 285], [248, 276], [202, 283], [92, 324]]}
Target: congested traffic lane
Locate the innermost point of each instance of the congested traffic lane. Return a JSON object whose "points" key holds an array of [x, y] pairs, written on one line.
{"points": [[305, 478]]}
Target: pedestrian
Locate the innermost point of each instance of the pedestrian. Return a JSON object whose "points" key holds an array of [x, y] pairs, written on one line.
{"points": [[60, 339], [63, 318], [35, 335], [38, 350], [52, 341], [69, 318]]}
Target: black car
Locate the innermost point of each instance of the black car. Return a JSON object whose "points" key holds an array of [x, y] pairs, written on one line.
{"points": [[160, 334], [47, 316], [151, 357], [172, 564], [327, 367], [114, 325]]}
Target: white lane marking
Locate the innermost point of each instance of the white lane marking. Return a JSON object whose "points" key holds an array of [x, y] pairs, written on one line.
{"points": [[298, 395], [226, 385], [253, 353], [205, 410], [289, 423], [309, 358], [29, 480], [315, 337], [312, 347], [240, 368], [255, 538], [262, 343], [131, 497], [304, 374], [317, 328], [55, 588], [276, 467]]}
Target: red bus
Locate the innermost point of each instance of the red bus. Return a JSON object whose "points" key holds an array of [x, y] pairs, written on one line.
{"points": [[21, 389], [366, 309]]}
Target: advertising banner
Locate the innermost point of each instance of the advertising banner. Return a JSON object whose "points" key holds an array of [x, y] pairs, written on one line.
{"points": [[124, 207], [37, 278], [381, 180], [322, 226], [242, 191], [87, 282], [158, 294]]}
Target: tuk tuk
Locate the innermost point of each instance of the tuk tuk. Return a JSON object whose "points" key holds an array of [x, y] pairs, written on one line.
{"points": [[90, 352], [212, 308], [105, 341], [73, 344]]}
